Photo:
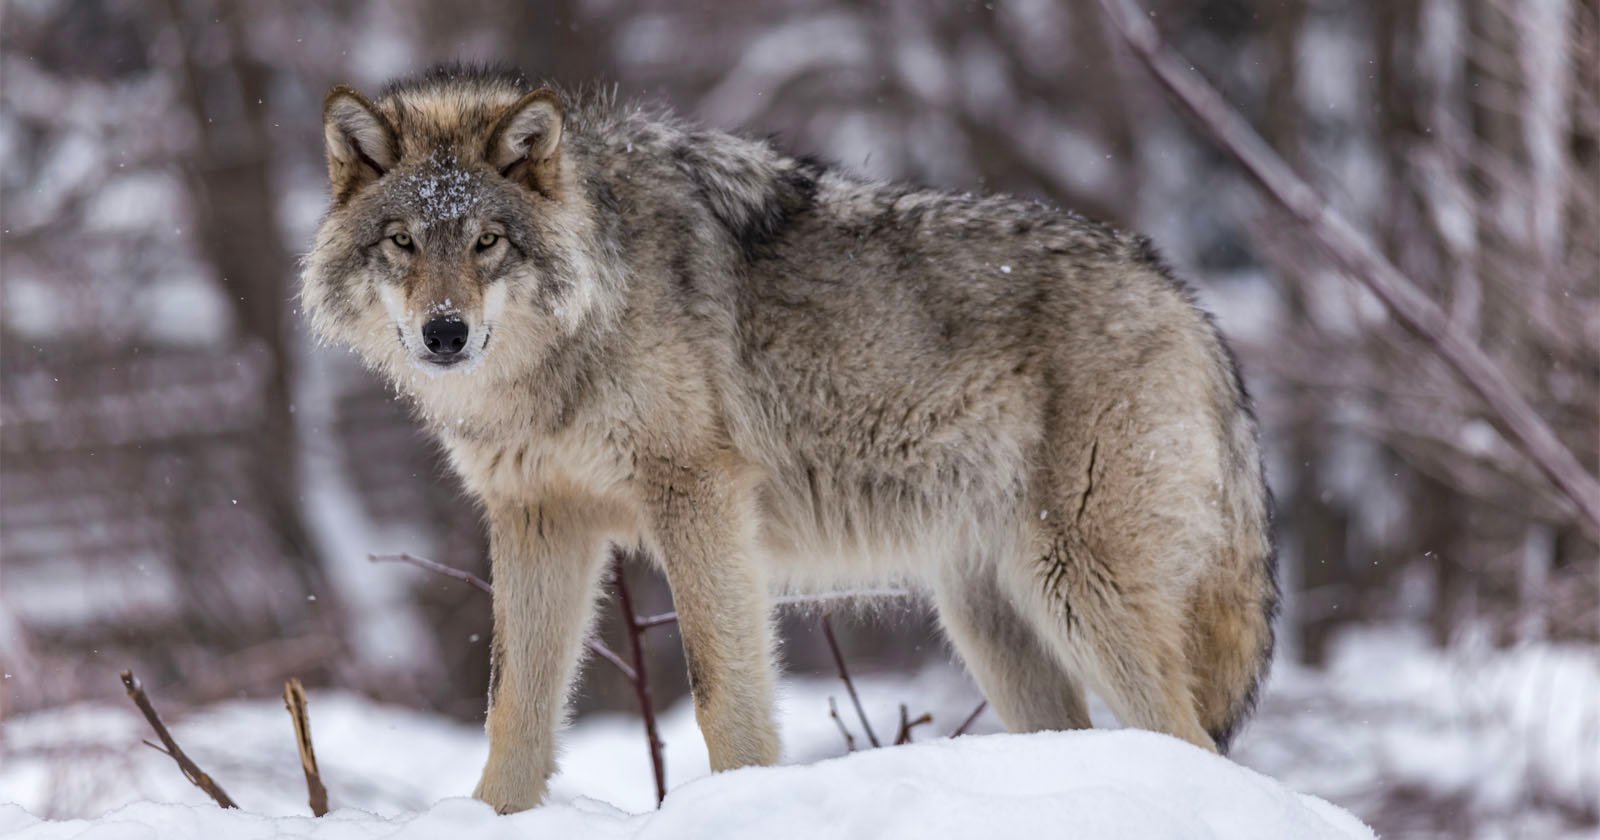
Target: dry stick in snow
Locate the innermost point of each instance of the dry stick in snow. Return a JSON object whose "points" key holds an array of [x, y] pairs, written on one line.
{"points": [[191, 771], [907, 724], [833, 712], [1361, 261], [641, 681], [971, 719], [849, 685], [599, 648], [294, 699]]}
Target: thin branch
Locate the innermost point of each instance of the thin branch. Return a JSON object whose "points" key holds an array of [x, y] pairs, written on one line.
{"points": [[907, 723], [849, 685], [833, 712], [294, 699], [648, 621], [437, 568], [598, 647], [641, 680], [1364, 263], [971, 719], [191, 771], [644, 623]]}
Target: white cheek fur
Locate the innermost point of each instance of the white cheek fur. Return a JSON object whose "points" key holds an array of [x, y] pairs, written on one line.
{"points": [[396, 307], [494, 302], [392, 302]]}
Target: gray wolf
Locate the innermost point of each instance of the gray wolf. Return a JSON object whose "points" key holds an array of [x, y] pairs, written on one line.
{"points": [[769, 374]]}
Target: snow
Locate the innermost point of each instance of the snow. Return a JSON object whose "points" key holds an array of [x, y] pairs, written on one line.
{"points": [[86, 758], [395, 772], [1509, 738], [1513, 735], [1110, 784]]}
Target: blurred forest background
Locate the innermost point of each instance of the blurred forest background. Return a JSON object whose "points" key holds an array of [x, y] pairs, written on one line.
{"points": [[190, 487]]}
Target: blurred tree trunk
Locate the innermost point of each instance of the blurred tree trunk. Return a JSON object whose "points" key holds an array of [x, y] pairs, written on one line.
{"points": [[1316, 520], [1405, 102], [1572, 553], [555, 40], [230, 183], [1438, 533]]}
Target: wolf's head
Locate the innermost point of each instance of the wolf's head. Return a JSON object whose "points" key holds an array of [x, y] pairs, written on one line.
{"points": [[456, 226]]}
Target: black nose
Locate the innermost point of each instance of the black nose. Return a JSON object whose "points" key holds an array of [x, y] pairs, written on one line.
{"points": [[445, 336]]}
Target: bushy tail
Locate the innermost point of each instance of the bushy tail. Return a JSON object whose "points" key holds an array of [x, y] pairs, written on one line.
{"points": [[1230, 643], [1233, 608]]}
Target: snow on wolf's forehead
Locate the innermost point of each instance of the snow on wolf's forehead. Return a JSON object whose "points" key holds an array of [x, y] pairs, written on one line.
{"points": [[439, 190]]}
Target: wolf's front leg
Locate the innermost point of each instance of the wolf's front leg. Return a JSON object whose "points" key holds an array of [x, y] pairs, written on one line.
{"points": [[547, 558], [706, 535]]}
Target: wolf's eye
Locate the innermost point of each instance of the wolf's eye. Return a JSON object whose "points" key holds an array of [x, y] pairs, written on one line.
{"points": [[486, 241], [402, 239]]}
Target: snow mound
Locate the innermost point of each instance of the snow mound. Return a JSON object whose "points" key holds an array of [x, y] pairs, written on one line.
{"points": [[1121, 785]]}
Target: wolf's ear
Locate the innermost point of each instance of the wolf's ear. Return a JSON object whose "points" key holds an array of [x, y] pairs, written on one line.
{"points": [[526, 142], [361, 144]]}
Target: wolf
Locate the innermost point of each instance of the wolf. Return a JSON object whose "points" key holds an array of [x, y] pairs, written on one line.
{"points": [[769, 374]]}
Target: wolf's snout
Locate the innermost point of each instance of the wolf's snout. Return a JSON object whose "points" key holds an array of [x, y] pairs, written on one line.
{"points": [[445, 336]]}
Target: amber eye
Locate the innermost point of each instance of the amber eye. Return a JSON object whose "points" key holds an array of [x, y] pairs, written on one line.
{"points": [[402, 239], [486, 241]]}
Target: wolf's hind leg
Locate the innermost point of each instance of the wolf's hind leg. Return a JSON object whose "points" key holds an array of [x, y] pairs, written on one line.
{"points": [[1125, 627], [1027, 684]]}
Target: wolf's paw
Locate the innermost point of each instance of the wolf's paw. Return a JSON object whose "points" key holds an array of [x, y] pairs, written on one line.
{"points": [[508, 792]]}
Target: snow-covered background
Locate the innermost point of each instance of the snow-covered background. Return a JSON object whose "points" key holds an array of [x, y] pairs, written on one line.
{"points": [[189, 488]]}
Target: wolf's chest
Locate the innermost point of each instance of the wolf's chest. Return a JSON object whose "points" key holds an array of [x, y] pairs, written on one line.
{"points": [[524, 467]]}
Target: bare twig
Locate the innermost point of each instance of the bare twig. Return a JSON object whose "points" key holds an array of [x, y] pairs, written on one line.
{"points": [[191, 771], [437, 568], [833, 712], [641, 680], [648, 621], [1364, 263], [849, 685], [971, 719], [907, 723], [294, 699], [598, 647], [612, 658]]}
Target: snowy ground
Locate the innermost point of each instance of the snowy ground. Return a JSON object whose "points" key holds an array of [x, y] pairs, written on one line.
{"points": [[1506, 745], [384, 765], [1121, 784]]}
